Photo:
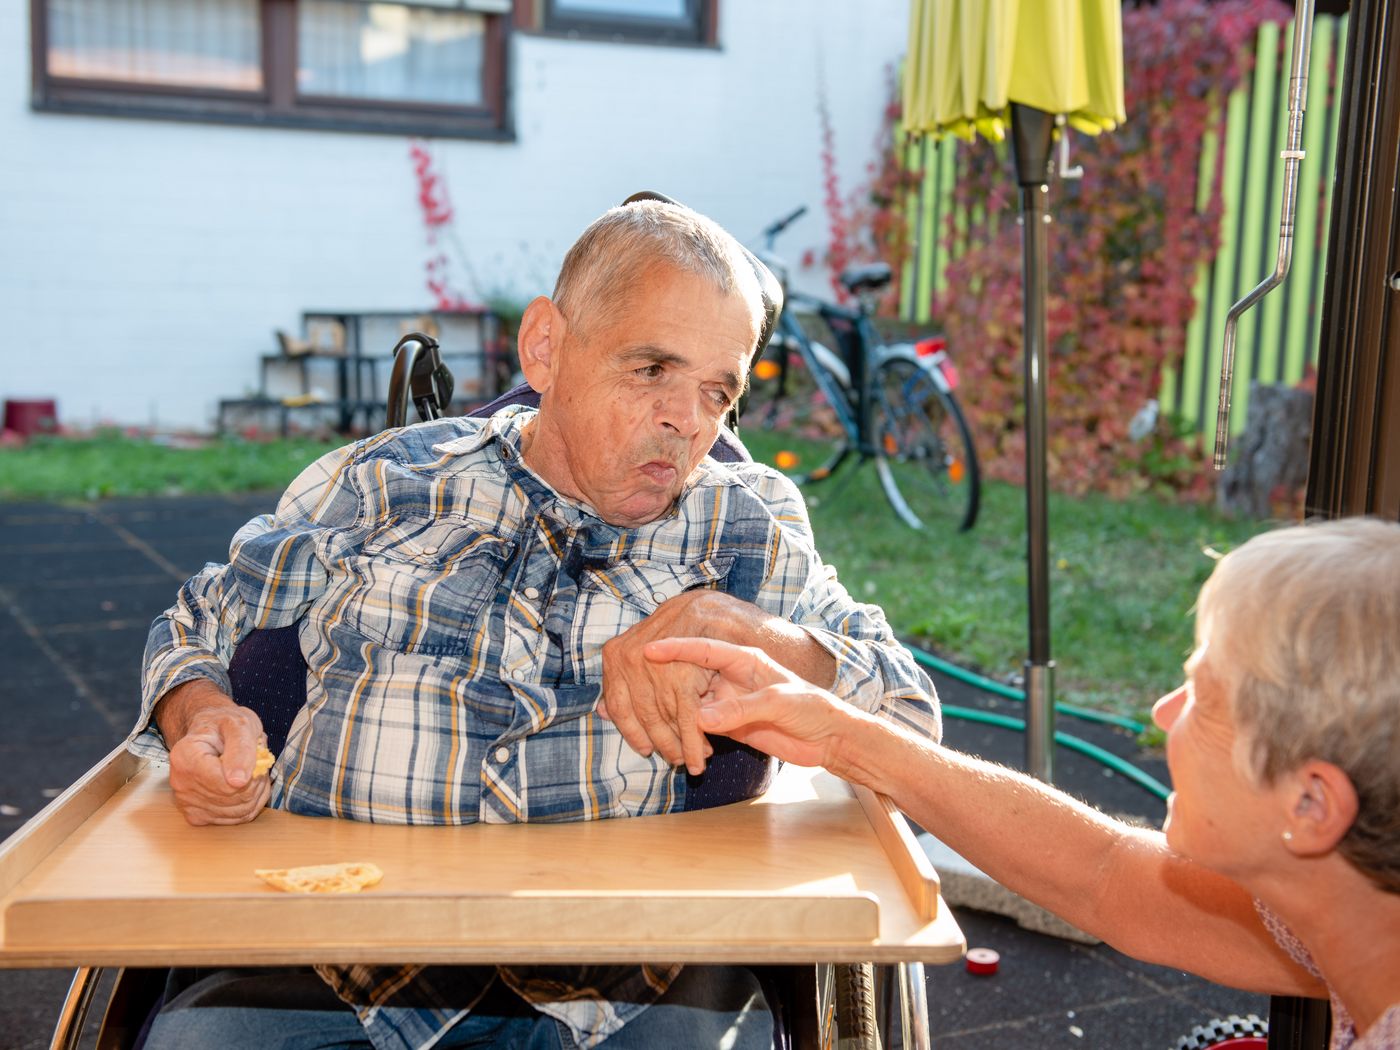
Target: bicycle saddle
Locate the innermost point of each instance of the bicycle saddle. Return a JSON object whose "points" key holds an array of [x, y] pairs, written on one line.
{"points": [[868, 278]]}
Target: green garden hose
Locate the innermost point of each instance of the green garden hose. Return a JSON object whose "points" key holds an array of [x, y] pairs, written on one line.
{"points": [[988, 685], [1073, 743], [1065, 740]]}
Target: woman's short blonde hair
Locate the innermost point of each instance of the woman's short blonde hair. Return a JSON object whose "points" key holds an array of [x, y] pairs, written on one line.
{"points": [[1303, 625], [604, 266]]}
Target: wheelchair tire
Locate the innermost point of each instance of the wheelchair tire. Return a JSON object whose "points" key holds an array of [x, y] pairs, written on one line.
{"points": [[857, 1023], [1233, 1033]]}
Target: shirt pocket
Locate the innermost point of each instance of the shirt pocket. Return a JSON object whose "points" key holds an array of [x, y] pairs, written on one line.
{"points": [[425, 587], [640, 586]]}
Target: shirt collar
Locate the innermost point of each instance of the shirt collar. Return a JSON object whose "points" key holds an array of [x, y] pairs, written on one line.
{"points": [[503, 430]]}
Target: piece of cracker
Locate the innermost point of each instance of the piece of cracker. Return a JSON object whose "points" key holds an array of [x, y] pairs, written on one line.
{"points": [[264, 761], [347, 877]]}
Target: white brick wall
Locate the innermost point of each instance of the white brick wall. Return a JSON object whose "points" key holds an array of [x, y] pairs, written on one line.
{"points": [[145, 264]]}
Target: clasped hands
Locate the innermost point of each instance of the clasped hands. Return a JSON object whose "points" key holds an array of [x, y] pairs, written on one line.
{"points": [[667, 682]]}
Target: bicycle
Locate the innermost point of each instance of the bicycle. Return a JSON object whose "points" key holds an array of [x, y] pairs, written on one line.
{"points": [[894, 403]]}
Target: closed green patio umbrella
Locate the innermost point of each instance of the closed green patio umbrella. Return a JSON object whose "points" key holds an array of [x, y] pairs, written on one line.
{"points": [[986, 67]]}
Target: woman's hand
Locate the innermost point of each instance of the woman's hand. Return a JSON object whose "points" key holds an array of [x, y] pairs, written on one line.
{"points": [[757, 701]]}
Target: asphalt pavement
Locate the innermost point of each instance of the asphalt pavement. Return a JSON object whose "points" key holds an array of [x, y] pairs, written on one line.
{"points": [[80, 584]]}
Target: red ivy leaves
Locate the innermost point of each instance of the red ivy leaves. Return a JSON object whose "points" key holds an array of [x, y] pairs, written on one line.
{"points": [[437, 218], [839, 252], [1125, 251]]}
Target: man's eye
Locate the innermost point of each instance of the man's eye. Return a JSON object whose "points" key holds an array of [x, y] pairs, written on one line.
{"points": [[720, 398], [650, 371]]}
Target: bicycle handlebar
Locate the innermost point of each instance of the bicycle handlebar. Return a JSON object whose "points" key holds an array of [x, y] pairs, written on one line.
{"points": [[778, 227]]}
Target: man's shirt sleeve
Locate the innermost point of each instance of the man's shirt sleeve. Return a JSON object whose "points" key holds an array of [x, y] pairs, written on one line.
{"points": [[873, 670], [273, 574]]}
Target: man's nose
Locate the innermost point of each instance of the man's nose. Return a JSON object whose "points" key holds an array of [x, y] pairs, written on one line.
{"points": [[677, 411], [1165, 710]]}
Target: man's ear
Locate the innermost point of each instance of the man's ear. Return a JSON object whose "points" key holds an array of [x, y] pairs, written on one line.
{"points": [[1321, 806], [541, 338]]}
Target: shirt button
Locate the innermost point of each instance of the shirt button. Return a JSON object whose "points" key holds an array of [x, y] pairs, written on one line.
{"points": [[430, 550], [532, 593], [657, 597], [502, 755]]}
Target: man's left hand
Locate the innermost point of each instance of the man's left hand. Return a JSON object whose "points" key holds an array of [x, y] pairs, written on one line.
{"points": [[656, 706]]}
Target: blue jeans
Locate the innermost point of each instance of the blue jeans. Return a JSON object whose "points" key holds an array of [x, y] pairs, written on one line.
{"points": [[293, 1009]]}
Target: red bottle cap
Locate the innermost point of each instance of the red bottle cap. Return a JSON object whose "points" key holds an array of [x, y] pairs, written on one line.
{"points": [[982, 961]]}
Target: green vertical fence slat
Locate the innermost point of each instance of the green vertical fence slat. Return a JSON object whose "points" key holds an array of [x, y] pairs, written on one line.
{"points": [[1311, 219], [1226, 261], [910, 152], [1252, 205], [1267, 351], [1326, 168], [1194, 353], [930, 248], [947, 164]]}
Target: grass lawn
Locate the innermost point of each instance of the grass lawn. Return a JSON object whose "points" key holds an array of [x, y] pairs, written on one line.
{"points": [[114, 465], [1125, 574]]}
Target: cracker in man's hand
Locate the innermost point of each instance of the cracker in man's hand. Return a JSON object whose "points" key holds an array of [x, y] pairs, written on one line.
{"points": [[264, 761], [347, 877]]}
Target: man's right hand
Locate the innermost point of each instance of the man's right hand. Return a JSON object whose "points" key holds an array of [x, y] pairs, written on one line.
{"points": [[213, 746], [757, 701]]}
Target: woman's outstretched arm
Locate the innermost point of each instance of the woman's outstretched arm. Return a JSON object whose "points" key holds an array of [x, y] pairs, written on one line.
{"points": [[1120, 883]]}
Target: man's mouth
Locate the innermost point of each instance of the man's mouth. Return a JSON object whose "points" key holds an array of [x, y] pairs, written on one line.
{"points": [[660, 471]]}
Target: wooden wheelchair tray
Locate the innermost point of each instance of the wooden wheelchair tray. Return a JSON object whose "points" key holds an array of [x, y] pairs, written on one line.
{"points": [[110, 874]]}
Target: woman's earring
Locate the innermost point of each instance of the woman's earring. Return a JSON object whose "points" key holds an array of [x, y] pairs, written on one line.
{"points": [[1288, 836]]}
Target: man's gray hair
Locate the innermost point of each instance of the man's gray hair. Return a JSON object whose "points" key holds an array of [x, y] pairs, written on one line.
{"points": [[1304, 626], [603, 268]]}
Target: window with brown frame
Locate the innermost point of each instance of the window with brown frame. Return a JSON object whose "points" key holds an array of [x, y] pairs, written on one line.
{"points": [[641, 21], [423, 67]]}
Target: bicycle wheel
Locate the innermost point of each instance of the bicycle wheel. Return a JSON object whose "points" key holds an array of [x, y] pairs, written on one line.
{"points": [[923, 446]]}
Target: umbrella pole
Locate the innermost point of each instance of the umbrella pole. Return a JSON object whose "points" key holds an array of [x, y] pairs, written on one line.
{"points": [[1030, 142]]}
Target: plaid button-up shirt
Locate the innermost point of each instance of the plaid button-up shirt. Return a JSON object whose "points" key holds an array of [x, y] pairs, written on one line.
{"points": [[452, 611]]}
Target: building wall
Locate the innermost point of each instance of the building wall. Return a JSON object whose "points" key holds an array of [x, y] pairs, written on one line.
{"points": [[144, 265]]}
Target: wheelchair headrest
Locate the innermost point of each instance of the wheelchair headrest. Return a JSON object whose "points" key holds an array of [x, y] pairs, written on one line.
{"points": [[769, 285]]}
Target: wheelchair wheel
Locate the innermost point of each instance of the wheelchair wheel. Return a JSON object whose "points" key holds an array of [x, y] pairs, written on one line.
{"points": [[847, 1007], [1233, 1033], [923, 445]]}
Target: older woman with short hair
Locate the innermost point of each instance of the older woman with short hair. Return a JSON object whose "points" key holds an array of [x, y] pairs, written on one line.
{"points": [[1278, 868]]}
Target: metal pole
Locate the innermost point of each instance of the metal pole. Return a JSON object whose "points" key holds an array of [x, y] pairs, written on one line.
{"points": [[1292, 156], [1031, 138], [913, 1001], [1356, 418]]}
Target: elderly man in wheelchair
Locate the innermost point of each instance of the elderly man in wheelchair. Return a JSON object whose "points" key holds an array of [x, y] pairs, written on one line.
{"points": [[471, 598]]}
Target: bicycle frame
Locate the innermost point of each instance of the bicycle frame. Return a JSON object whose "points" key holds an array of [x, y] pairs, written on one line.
{"points": [[844, 379]]}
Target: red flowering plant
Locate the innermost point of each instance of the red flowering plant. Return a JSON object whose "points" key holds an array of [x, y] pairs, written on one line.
{"points": [[438, 216], [1126, 245]]}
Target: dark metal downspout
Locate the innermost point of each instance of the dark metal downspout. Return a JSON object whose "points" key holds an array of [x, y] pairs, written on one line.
{"points": [[1354, 465]]}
